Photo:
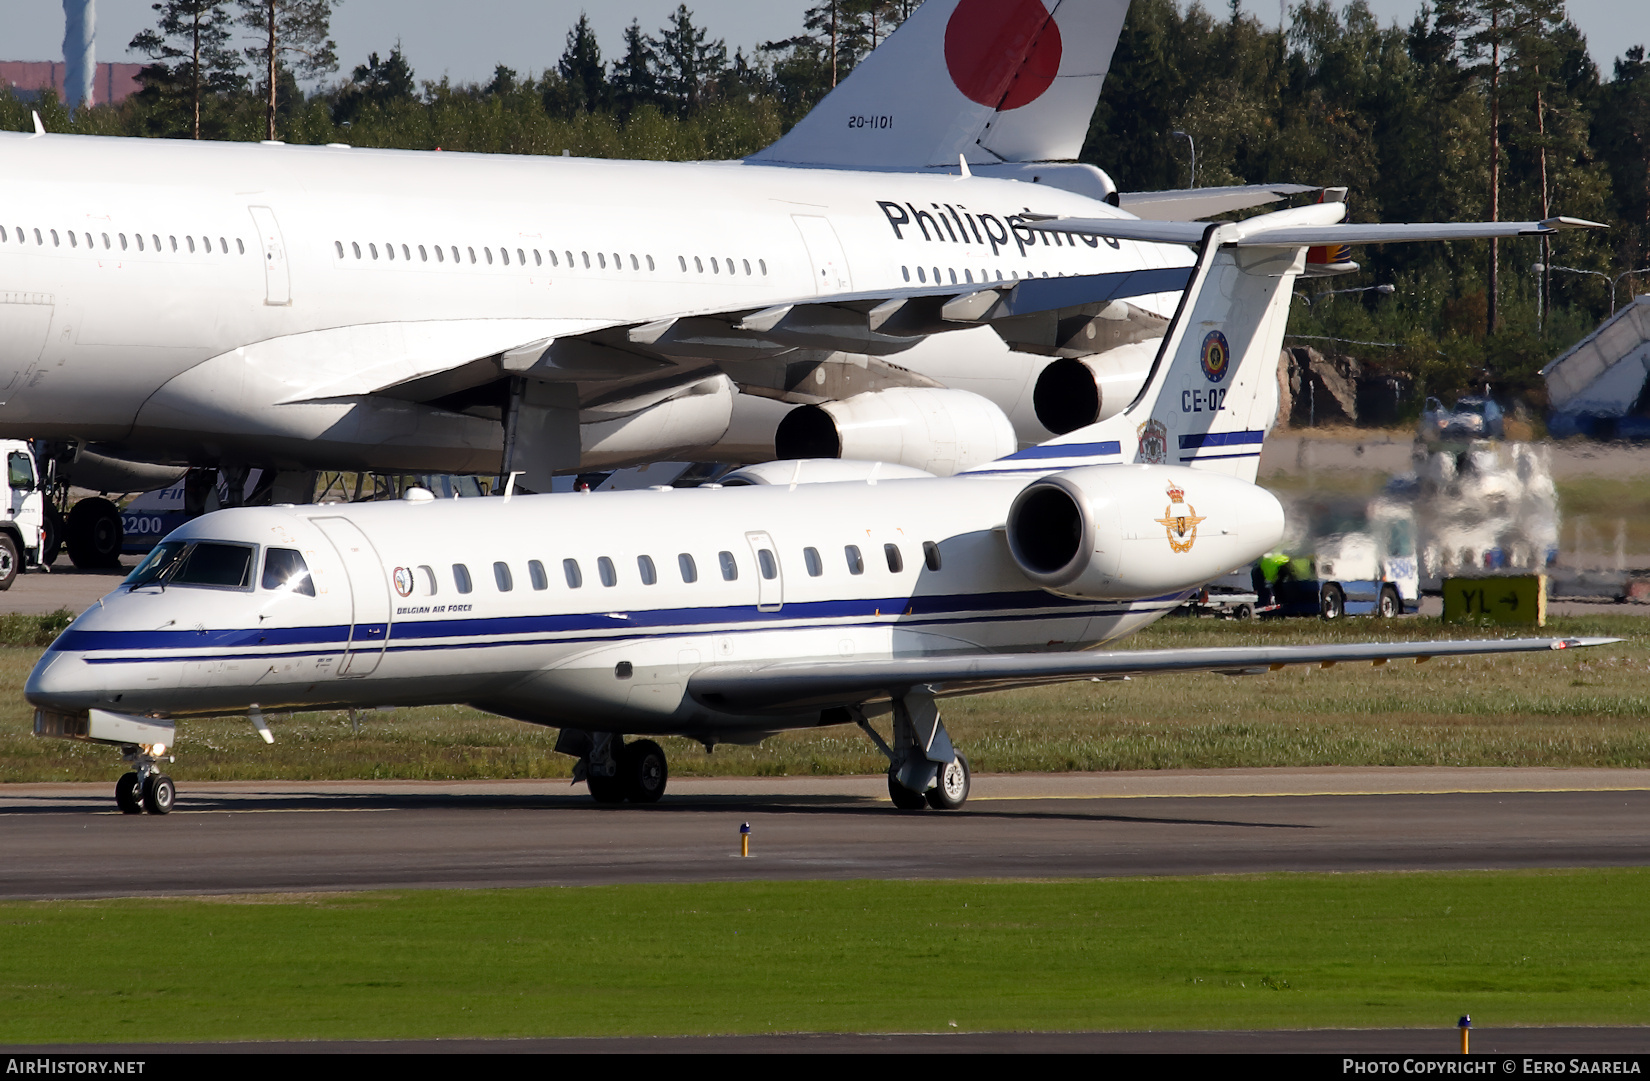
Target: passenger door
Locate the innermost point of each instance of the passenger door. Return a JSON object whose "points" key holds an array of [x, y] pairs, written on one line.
{"points": [[369, 592], [277, 277], [770, 581]]}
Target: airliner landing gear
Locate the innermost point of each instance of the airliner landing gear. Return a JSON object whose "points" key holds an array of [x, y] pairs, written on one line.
{"points": [[924, 769], [614, 770], [146, 788]]}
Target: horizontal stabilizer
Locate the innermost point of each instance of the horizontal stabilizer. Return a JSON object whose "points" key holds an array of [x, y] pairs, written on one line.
{"points": [[1266, 231], [795, 686], [1185, 204]]}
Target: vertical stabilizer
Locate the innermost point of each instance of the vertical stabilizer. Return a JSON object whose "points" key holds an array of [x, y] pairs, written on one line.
{"points": [[79, 52], [990, 80]]}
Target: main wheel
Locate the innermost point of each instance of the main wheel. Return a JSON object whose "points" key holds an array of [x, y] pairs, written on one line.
{"points": [[645, 771], [1332, 602], [1390, 605], [8, 561], [94, 534], [158, 794], [952, 791], [126, 795], [607, 789], [904, 798]]}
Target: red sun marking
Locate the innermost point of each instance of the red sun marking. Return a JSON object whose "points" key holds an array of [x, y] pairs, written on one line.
{"points": [[1002, 54]]}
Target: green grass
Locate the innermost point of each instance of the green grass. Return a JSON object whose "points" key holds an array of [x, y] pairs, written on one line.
{"points": [[1589, 708], [1271, 951]]}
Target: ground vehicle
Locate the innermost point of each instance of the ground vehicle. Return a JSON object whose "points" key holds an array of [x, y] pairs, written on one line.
{"points": [[22, 514], [1472, 417], [1356, 560]]}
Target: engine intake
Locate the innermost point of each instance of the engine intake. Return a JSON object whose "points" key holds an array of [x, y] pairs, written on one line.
{"points": [[1072, 394]]}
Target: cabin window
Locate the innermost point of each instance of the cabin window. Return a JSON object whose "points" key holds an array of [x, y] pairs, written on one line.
{"points": [[575, 577], [456, 259], [634, 265], [461, 578], [601, 258], [763, 264], [472, 252], [586, 259], [644, 567], [441, 254], [285, 570], [538, 260], [535, 571], [3, 235], [356, 247], [570, 263], [406, 253], [56, 243], [604, 569], [680, 258], [223, 245], [423, 256], [922, 275], [488, 252], [931, 555], [689, 569], [810, 556], [715, 269], [73, 243], [106, 244], [698, 264], [968, 275], [156, 238], [553, 260], [905, 271], [856, 562], [239, 246], [502, 577], [504, 254], [139, 238], [747, 264], [896, 562], [730, 568], [426, 576], [767, 564], [389, 252], [650, 262], [339, 244], [123, 246], [42, 243], [373, 249]]}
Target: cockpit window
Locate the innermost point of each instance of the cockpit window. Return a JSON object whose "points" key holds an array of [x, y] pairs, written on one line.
{"points": [[208, 563], [196, 563], [163, 559], [285, 569]]}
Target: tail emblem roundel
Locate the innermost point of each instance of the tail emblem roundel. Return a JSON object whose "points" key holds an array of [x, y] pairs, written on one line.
{"points": [[1002, 54], [1217, 356]]}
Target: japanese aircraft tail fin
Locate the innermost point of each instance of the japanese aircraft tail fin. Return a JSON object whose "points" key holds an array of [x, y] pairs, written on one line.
{"points": [[990, 80]]}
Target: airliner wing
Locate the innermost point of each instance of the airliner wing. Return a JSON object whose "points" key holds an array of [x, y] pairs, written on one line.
{"points": [[1184, 204], [1244, 235], [795, 686]]}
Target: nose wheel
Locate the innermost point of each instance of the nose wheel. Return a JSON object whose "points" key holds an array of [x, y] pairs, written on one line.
{"points": [[145, 788]]}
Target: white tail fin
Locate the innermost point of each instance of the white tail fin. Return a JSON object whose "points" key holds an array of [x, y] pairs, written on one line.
{"points": [[991, 80]]}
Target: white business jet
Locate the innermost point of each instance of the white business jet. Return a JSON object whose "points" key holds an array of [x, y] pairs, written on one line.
{"points": [[771, 602], [300, 308]]}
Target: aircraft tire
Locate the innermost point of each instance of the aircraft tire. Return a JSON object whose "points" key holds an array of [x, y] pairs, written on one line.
{"points": [[1332, 602], [159, 794], [607, 789], [645, 771], [126, 795], [94, 534], [8, 561], [904, 798], [952, 790]]}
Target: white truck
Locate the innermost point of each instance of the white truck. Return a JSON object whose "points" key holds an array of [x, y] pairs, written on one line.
{"points": [[24, 515]]}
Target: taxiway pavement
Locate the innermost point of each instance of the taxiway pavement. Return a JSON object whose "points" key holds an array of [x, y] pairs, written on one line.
{"points": [[61, 841]]}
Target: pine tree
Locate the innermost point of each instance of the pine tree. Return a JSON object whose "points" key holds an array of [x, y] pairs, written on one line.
{"points": [[581, 68], [294, 36], [688, 64], [205, 63], [377, 82], [635, 80]]}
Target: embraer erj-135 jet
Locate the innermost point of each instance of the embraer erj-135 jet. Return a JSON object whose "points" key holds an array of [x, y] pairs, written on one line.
{"points": [[866, 287], [725, 614]]}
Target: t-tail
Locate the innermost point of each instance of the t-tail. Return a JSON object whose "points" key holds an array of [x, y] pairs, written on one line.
{"points": [[1212, 394]]}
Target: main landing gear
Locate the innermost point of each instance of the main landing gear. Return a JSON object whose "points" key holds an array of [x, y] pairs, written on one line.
{"points": [[616, 771], [145, 788], [924, 769]]}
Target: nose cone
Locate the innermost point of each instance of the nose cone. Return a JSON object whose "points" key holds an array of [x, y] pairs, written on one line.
{"points": [[64, 682]]}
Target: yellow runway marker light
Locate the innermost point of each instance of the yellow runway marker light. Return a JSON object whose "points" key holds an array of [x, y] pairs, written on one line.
{"points": [[745, 839]]}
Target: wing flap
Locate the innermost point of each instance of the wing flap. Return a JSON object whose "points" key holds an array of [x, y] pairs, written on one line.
{"points": [[798, 686]]}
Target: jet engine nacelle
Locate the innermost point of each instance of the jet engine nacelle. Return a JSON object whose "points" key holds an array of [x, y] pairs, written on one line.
{"points": [[1118, 532], [1072, 394], [935, 429]]}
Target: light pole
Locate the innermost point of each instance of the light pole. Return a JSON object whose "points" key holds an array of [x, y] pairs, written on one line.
{"points": [[1190, 142], [1385, 289], [1540, 267]]}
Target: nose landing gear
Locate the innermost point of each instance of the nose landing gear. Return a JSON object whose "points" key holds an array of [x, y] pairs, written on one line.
{"points": [[145, 788]]}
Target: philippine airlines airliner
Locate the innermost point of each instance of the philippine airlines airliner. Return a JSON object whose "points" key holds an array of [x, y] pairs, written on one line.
{"points": [[770, 602], [870, 281]]}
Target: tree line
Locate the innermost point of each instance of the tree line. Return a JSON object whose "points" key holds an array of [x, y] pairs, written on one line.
{"points": [[1476, 108]]}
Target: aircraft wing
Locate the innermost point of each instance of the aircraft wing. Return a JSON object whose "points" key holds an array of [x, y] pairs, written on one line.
{"points": [[796, 686], [1308, 233], [1183, 204]]}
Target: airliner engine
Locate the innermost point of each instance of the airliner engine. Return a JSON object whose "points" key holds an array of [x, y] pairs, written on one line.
{"points": [[1098, 533], [1071, 394], [932, 428]]}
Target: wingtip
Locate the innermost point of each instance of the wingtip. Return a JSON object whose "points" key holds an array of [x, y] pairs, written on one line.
{"points": [[1558, 223], [1583, 643]]}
